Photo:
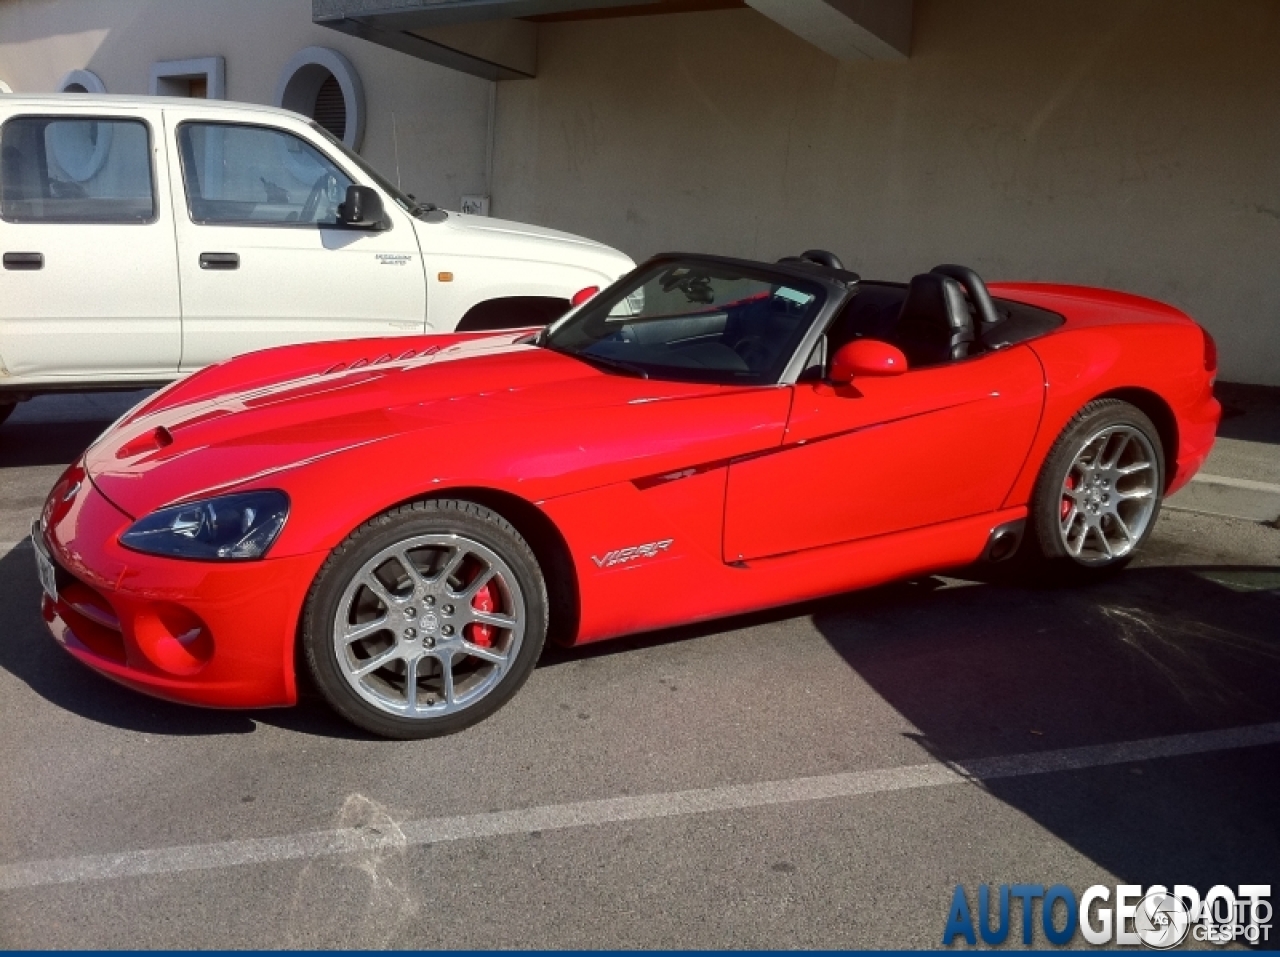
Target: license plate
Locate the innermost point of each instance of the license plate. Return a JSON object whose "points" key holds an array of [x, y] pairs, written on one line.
{"points": [[44, 567]]}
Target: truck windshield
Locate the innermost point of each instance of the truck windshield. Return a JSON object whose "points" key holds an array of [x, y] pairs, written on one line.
{"points": [[406, 203]]}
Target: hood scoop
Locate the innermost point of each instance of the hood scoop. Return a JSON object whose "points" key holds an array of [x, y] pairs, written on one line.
{"points": [[158, 438]]}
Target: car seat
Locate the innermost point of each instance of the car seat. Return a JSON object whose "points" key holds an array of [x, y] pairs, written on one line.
{"points": [[934, 325]]}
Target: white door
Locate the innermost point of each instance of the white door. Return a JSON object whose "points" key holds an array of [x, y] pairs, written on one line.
{"points": [[89, 284], [262, 257]]}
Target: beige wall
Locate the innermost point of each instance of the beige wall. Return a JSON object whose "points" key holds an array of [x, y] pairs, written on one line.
{"points": [[441, 116], [1125, 143]]}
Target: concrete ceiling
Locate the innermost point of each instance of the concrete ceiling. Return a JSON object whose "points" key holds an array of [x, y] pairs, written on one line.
{"points": [[497, 39]]}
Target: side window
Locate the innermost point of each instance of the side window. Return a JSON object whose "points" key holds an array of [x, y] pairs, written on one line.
{"points": [[258, 176], [58, 169]]}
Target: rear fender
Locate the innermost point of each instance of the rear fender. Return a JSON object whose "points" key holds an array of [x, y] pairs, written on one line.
{"points": [[1162, 363]]}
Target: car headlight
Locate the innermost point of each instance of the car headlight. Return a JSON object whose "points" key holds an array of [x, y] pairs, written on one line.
{"points": [[229, 528]]}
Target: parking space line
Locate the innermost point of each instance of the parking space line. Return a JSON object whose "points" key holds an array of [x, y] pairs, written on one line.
{"points": [[1208, 512], [317, 844], [1230, 482]]}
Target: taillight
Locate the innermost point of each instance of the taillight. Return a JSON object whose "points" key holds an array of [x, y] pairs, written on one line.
{"points": [[1210, 353], [582, 295]]}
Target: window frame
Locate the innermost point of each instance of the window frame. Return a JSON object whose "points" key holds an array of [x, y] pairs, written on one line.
{"points": [[97, 117], [257, 223], [212, 68], [828, 301]]}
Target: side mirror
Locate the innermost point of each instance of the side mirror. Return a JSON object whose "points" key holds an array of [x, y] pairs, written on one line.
{"points": [[866, 357], [582, 295], [362, 208]]}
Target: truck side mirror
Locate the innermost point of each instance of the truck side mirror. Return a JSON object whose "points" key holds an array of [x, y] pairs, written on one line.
{"points": [[362, 208], [866, 357]]}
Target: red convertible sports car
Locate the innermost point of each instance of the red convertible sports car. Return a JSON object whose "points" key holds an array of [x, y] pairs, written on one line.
{"points": [[409, 520]]}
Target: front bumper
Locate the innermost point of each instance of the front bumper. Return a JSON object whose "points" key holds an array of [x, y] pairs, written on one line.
{"points": [[207, 633]]}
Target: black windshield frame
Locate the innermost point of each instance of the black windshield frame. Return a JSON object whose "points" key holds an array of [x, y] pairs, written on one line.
{"points": [[831, 289]]}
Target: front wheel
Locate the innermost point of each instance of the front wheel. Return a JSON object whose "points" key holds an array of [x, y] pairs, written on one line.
{"points": [[426, 620], [1099, 492]]}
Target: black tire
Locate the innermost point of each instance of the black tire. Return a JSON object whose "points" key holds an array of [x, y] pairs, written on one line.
{"points": [[1045, 544], [345, 567]]}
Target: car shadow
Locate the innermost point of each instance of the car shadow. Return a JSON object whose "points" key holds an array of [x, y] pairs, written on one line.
{"points": [[1249, 412], [56, 429], [998, 667], [40, 443], [981, 663], [988, 663]]}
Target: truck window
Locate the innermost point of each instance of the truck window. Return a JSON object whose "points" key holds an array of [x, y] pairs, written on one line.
{"points": [[256, 175], [63, 169]]}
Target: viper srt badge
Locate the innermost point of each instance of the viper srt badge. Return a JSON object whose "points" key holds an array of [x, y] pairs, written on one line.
{"points": [[621, 556]]}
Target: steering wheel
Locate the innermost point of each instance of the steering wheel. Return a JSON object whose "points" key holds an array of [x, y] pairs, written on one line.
{"points": [[753, 351], [319, 188], [696, 286]]}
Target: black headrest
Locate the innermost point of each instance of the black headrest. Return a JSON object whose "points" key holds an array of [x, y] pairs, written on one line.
{"points": [[817, 257], [938, 300], [975, 287]]}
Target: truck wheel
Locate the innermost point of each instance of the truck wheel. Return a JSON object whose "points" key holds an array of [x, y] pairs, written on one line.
{"points": [[426, 620], [1099, 492]]}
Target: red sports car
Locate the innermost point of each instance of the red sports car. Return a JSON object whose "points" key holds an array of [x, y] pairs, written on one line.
{"points": [[409, 520]]}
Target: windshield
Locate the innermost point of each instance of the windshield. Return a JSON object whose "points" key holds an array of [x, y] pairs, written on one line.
{"points": [[693, 321], [402, 200]]}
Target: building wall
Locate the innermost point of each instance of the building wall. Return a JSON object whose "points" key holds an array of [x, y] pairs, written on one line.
{"points": [[1133, 144], [441, 116]]}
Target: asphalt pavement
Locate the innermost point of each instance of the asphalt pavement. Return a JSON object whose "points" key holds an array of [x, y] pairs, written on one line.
{"points": [[817, 776]]}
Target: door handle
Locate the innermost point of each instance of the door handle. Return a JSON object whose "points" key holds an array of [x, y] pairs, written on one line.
{"points": [[24, 260], [219, 260]]}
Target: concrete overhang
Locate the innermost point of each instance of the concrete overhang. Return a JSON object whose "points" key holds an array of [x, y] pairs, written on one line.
{"points": [[498, 39], [849, 30]]}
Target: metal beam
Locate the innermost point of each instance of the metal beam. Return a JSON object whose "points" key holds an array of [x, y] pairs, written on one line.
{"points": [[849, 30], [424, 14], [485, 38], [424, 49]]}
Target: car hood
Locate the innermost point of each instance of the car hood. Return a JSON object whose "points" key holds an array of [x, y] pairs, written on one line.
{"points": [[485, 224], [462, 235], [478, 390]]}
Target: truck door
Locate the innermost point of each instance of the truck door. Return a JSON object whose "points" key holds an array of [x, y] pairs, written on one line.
{"points": [[89, 284], [262, 258]]}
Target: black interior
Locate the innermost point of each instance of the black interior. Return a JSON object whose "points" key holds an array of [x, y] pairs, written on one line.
{"points": [[934, 318]]}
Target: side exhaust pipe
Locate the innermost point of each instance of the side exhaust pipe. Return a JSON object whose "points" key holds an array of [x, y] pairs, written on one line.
{"points": [[1004, 541]]}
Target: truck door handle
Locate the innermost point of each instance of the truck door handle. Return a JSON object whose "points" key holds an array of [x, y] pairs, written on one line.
{"points": [[219, 261], [24, 260]]}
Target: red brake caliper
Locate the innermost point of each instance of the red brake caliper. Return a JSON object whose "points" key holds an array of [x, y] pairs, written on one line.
{"points": [[482, 635], [1066, 502]]}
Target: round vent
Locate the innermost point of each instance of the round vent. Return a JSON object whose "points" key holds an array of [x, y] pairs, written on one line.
{"points": [[322, 84], [331, 107]]}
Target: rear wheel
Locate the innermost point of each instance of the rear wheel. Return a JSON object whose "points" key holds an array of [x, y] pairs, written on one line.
{"points": [[426, 620], [1099, 492]]}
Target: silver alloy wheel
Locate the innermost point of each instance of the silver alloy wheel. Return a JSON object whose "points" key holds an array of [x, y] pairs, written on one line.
{"points": [[1108, 495], [429, 626]]}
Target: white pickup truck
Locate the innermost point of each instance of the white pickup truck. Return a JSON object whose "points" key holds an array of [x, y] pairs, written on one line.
{"points": [[144, 237]]}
